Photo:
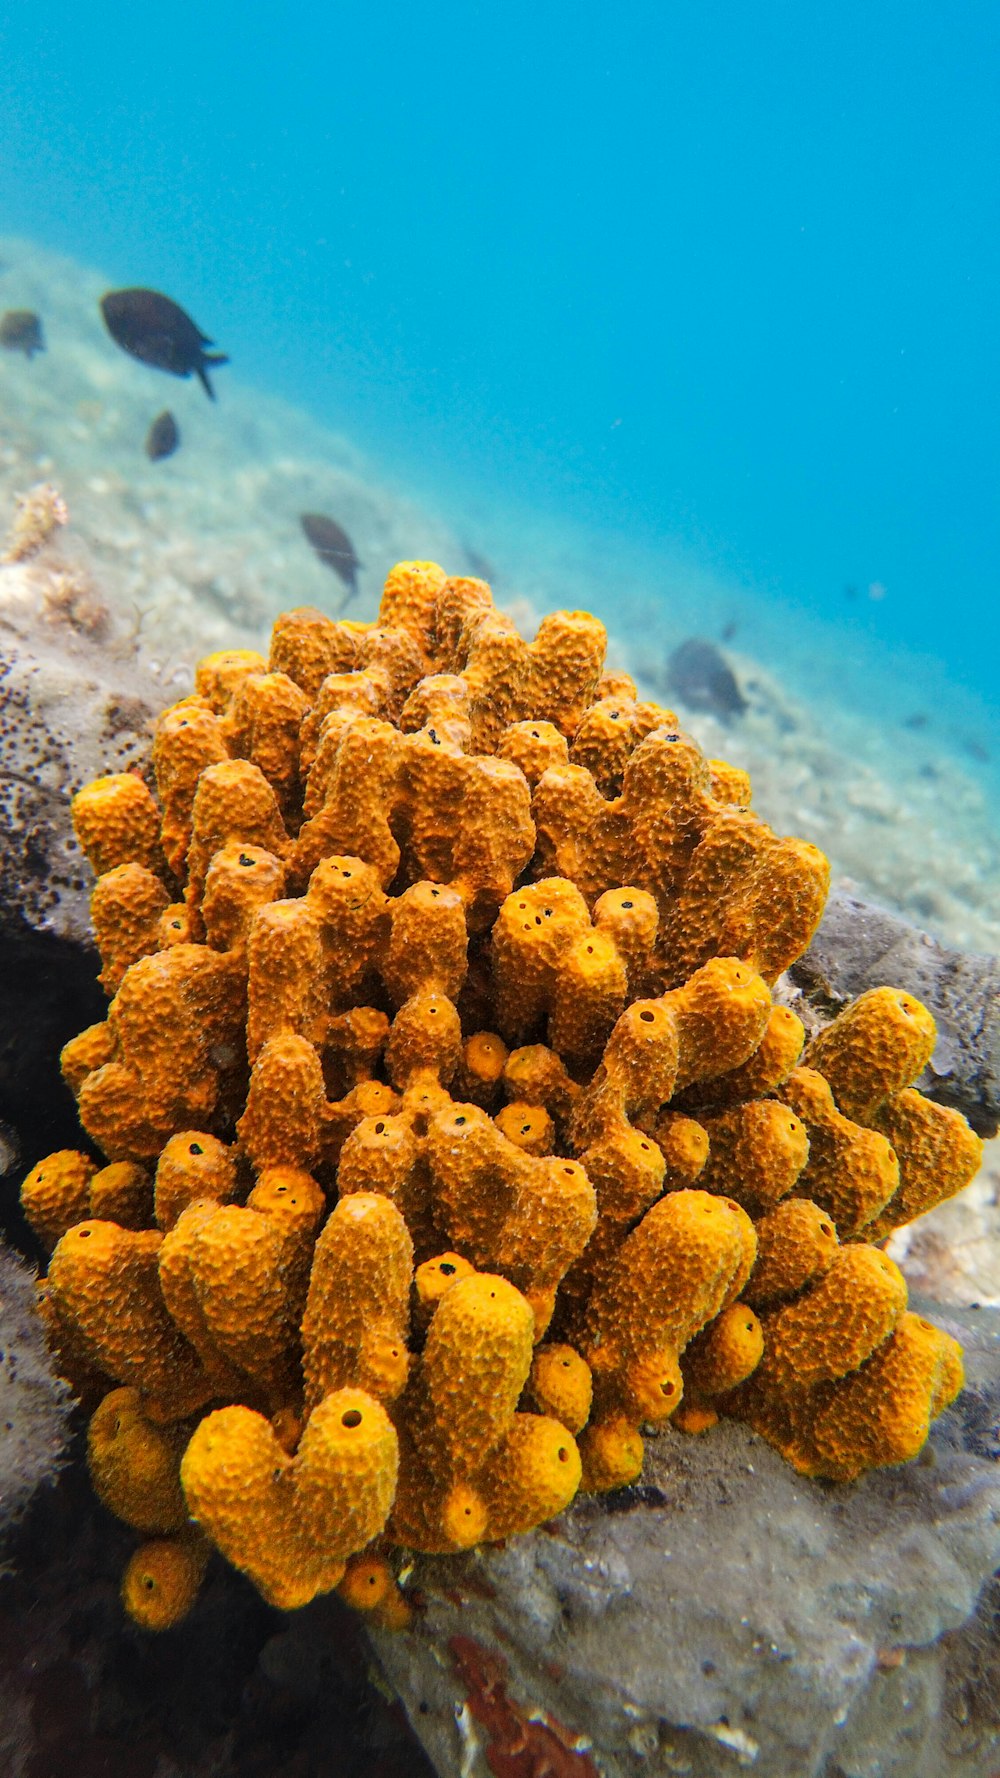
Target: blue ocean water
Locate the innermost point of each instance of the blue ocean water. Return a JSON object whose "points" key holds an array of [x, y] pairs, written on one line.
{"points": [[715, 284]]}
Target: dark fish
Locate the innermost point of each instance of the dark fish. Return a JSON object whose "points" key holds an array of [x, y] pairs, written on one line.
{"points": [[700, 677], [163, 437], [21, 331], [976, 750], [158, 332], [481, 568], [728, 630], [333, 546], [919, 719]]}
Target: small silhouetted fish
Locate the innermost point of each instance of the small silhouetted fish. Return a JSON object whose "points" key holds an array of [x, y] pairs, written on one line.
{"points": [[699, 675], [976, 750], [21, 331], [333, 546], [481, 568], [919, 719], [163, 437], [728, 630], [157, 331]]}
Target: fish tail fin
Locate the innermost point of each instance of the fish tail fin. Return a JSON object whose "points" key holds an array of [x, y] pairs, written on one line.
{"points": [[209, 358]]}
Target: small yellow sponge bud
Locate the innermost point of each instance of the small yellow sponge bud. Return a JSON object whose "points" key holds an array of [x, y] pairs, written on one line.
{"points": [[561, 1385], [56, 1193], [534, 1475], [433, 1278], [369, 1585], [725, 1353], [876, 1046], [192, 1165], [837, 1323], [796, 1242], [117, 822], [135, 1465], [161, 1582], [611, 1453]]}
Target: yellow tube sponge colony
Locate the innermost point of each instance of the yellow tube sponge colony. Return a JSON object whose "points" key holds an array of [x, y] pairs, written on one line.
{"points": [[449, 1117]]}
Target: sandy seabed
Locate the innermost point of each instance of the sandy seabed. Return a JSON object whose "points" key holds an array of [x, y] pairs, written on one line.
{"points": [[202, 549]]}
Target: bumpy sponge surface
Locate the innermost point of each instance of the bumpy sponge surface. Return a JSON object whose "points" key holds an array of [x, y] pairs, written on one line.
{"points": [[453, 1134]]}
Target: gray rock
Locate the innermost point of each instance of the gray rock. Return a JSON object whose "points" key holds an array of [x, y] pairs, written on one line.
{"points": [[34, 1402], [76, 701], [861, 946], [727, 1614]]}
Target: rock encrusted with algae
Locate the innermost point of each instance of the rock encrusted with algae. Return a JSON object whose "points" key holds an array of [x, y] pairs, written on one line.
{"points": [[34, 1401], [859, 946], [729, 1615], [75, 698], [446, 1092]]}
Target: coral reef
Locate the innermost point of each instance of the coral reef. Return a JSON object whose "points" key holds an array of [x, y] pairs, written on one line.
{"points": [[448, 1114]]}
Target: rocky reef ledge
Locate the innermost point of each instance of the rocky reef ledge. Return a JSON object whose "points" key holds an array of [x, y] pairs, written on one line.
{"points": [[726, 1615], [858, 946]]}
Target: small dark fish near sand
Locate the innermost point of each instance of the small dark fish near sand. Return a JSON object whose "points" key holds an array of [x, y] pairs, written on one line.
{"points": [[157, 331], [701, 678], [334, 547], [21, 331], [163, 437]]}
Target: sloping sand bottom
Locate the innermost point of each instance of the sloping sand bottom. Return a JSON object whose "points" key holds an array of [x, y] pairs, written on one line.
{"points": [[202, 549]]}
